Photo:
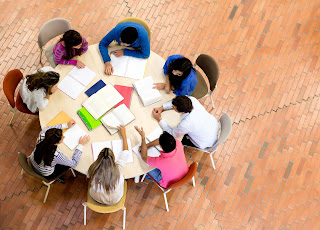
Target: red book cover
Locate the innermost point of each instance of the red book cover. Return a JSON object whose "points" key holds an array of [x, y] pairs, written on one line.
{"points": [[126, 92]]}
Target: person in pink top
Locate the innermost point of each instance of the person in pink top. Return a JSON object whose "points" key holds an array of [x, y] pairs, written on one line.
{"points": [[171, 166], [71, 44]]}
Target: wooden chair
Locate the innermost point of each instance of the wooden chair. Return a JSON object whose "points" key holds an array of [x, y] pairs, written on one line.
{"points": [[210, 67], [48, 31], [10, 84], [137, 20], [190, 175], [225, 130], [102, 208], [23, 161]]}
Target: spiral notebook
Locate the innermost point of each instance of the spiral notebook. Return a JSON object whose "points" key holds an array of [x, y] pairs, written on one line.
{"points": [[87, 119]]}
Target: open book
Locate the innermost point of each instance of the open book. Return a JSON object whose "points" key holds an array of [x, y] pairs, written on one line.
{"points": [[145, 90], [102, 101], [72, 136], [126, 66], [119, 116], [152, 151], [115, 145], [76, 81]]}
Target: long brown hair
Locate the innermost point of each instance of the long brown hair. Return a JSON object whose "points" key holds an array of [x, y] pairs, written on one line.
{"points": [[45, 149], [42, 79], [105, 170], [71, 38], [182, 64]]}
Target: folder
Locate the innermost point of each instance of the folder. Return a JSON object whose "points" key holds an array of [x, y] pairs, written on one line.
{"points": [[61, 118], [88, 120], [126, 92]]}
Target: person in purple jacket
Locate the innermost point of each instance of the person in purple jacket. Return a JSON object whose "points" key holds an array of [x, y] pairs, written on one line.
{"points": [[180, 76], [128, 34]]}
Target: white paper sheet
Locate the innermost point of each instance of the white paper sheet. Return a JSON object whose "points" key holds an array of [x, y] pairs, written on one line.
{"points": [[72, 136], [84, 75], [147, 94], [119, 65], [71, 87]]}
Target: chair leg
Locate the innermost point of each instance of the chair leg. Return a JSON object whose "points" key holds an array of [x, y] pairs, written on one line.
{"points": [[213, 165], [124, 218], [193, 182], [165, 200], [41, 52], [47, 192], [14, 112], [73, 172], [144, 176], [210, 95], [21, 171], [84, 214]]}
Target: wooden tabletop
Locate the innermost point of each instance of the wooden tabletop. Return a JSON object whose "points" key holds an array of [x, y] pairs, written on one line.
{"points": [[59, 101]]}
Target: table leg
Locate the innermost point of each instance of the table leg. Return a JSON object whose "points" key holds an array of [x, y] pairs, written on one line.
{"points": [[137, 179]]}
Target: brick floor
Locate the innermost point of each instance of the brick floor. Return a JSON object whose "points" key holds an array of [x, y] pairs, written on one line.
{"points": [[267, 175]]}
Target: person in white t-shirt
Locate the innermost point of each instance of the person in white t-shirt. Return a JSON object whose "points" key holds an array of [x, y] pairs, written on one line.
{"points": [[37, 87]]}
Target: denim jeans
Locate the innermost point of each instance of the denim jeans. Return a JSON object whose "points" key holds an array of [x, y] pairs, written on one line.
{"points": [[156, 174]]}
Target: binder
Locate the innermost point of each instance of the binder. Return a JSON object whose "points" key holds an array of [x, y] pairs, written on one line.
{"points": [[88, 120]]}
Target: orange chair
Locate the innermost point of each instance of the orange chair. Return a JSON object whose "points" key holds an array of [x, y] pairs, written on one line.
{"points": [[190, 175], [10, 83]]}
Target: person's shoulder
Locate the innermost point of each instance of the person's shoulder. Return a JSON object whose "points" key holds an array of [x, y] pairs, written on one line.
{"points": [[175, 56]]}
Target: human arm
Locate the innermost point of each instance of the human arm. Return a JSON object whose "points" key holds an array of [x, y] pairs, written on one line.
{"points": [[153, 143], [143, 148], [123, 134], [105, 42], [187, 85], [58, 52], [84, 46], [176, 132], [144, 44]]}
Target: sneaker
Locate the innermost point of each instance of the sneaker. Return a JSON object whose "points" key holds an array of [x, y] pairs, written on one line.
{"points": [[61, 180]]}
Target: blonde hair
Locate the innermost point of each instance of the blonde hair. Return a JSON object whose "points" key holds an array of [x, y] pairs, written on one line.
{"points": [[104, 171]]}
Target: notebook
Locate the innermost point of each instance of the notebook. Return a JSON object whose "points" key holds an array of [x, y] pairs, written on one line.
{"points": [[96, 87], [61, 118], [126, 66], [76, 81], [145, 90], [72, 136], [102, 101], [152, 151], [119, 116], [88, 120], [126, 92], [115, 145]]}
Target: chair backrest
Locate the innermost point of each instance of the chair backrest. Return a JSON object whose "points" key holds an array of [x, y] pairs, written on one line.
{"points": [[201, 88], [51, 29], [226, 128], [103, 208], [137, 20], [23, 161], [192, 171], [210, 68], [10, 83]]}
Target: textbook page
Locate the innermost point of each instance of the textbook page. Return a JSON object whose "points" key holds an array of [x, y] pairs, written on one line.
{"points": [[136, 68], [72, 136], [124, 115], [147, 94], [119, 65], [111, 122], [83, 75], [98, 146], [71, 87]]}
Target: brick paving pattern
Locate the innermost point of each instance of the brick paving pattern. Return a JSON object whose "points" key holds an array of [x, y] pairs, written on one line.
{"points": [[267, 174]]}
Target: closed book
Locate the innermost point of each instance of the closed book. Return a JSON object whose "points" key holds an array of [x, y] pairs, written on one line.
{"points": [[95, 88], [88, 120], [126, 92]]}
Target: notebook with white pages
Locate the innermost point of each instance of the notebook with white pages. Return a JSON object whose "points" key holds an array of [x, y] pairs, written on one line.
{"points": [[76, 81], [118, 116], [72, 136], [152, 151], [146, 92], [126, 66], [102, 101], [115, 145]]}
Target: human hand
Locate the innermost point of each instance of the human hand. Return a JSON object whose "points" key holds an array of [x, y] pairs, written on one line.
{"points": [[156, 114], [159, 109], [167, 88], [141, 132], [122, 130], [108, 68], [80, 64], [84, 140], [54, 89], [118, 53], [159, 86], [71, 123], [47, 96]]}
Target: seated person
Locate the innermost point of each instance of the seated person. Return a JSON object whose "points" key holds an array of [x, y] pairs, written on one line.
{"points": [[171, 166], [128, 34], [46, 158], [180, 76], [105, 174], [200, 128], [36, 88], [70, 45]]}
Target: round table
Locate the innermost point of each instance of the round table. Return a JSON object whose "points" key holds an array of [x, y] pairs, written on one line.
{"points": [[59, 101]]}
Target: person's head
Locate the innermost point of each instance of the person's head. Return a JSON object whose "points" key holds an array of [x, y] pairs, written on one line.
{"points": [[46, 148], [72, 40], [42, 79], [182, 104], [128, 36], [167, 142], [179, 70], [104, 170]]}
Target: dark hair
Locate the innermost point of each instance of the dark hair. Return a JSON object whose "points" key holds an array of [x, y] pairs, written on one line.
{"points": [[129, 35], [71, 38], [45, 149], [167, 142], [183, 104], [42, 79], [181, 64]]}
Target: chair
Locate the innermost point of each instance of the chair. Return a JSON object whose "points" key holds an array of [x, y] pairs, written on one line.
{"points": [[137, 20], [10, 83], [102, 208], [23, 161], [190, 175], [226, 128], [48, 31], [211, 69]]}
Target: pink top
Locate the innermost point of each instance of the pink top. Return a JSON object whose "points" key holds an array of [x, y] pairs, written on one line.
{"points": [[173, 165], [59, 51]]}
